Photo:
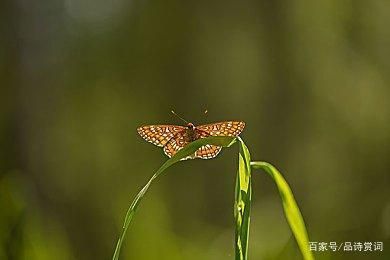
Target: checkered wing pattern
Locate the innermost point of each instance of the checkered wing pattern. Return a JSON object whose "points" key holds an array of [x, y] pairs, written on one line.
{"points": [[173, 138], [208, 151], [159, 134], [227, 128], [179, 141], [175, 144]]}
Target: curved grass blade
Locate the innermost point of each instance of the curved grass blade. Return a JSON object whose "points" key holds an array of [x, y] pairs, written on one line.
{"points": [[291, 210], [242, 205], [189, 149]]}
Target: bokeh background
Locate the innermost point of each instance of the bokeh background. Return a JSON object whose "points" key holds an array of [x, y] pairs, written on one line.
{"points": [[310, 78]]}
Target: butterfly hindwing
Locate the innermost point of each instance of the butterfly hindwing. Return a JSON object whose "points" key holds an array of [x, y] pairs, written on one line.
{"points": [[208, 151], [177, 142]]}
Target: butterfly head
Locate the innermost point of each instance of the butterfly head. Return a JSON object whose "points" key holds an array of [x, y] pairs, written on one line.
{"points": [[190, 126]]}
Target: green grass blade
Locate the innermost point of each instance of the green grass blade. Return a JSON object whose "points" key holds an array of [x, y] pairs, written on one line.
{"points": [[186, 151], [291, 210], [242, 206]]}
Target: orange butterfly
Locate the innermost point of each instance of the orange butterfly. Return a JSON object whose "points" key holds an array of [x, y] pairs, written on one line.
{"points": [[173, 137]]}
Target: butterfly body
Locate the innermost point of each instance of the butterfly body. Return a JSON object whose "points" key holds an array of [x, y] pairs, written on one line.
{"points": [[190, 134], [173, 138]]}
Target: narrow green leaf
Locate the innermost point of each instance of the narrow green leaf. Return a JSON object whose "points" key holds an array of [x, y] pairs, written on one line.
{"points": [[291, 210], [242, 206], [224, 141]]}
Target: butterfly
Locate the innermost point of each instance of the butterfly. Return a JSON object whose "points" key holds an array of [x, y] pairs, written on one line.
{"points": [[174, 137]]}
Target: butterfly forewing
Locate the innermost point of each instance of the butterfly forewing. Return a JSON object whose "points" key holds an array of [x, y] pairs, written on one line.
{"points": [[159, 134], [227, 128]]}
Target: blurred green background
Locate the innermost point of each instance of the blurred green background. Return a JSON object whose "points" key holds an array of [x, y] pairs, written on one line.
{"points": [[310, 78]]}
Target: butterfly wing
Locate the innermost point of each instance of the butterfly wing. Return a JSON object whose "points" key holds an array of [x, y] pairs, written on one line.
{"points": [[159, 134], [208, 151], [177, 142], [226, 128], [173, 137]]}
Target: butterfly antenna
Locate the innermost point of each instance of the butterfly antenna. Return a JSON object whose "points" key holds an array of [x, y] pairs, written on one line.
{"points": [[185, 121]]}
